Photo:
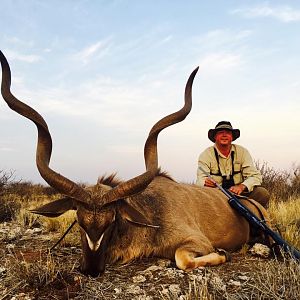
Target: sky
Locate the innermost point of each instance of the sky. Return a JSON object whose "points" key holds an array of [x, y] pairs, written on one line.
{"points": [[101, 73]]}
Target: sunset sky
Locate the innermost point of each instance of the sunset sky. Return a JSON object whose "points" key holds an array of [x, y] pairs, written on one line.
{"points": [[103, 72]]}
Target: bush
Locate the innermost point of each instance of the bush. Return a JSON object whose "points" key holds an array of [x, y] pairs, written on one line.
{"points": [[27, 189], [282, 185], [8, 209], [5, 179], [16, 194]]}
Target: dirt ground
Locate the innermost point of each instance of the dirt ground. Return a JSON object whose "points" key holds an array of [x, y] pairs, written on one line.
{"points": [[29, 271]]}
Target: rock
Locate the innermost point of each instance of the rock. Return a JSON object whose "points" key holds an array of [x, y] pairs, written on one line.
{"points": [[2, 271], [151, 269], [172, 273], [10, 246], [260, 250], [118, 290], [234, 283], [139, 279], [33, 231], [243, 277], [134, 289]]}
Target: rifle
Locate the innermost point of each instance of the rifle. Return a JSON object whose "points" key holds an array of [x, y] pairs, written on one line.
{"points": [[255, 221]]}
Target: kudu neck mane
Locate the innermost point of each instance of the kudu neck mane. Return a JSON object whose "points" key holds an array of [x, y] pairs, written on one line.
{"points": [[113, 181]]}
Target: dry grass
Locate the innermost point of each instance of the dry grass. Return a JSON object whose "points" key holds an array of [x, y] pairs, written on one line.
{"points": [[282, 184], [35, 273], [199, 290], [277, 280], [270, 279], [286, 215], [19, 211], [28, 268], [60, 225]]}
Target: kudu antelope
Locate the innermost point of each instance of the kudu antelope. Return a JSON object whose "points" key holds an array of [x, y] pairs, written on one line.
{"points": [[149, 215]]}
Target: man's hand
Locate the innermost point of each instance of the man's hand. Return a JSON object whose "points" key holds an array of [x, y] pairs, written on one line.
{"points": [[208, 182], [238, 189]]}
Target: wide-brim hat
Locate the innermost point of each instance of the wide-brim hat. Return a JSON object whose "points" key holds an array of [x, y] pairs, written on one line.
{"points": [[223, 125]]}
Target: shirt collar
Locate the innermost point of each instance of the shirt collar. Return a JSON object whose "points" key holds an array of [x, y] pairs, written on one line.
{"points": [[223, 156]]}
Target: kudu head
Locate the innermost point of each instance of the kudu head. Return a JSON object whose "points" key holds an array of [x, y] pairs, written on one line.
{"points": [[98, 207]]}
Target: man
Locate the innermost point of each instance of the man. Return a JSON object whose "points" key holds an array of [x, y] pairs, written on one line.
{"points": [[230, 165]]}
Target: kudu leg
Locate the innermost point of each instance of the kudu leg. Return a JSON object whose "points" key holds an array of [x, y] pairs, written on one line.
{"points": [[188, 260]]}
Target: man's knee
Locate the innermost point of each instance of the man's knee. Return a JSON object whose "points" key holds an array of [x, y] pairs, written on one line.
{"points": [[261, 195]]}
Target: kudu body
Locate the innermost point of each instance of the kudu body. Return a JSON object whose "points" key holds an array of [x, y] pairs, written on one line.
{"points": [[149, 215]]}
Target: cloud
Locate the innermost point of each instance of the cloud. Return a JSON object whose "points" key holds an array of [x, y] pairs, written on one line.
{"points": [[224, 37], [19, 42], [98, 50], [164, 40], [13, 55], [282, 13], [220, 62], [225, 44], [104, 101]]}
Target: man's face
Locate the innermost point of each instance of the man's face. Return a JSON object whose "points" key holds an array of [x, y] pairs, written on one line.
{"points": [[223, 138]]}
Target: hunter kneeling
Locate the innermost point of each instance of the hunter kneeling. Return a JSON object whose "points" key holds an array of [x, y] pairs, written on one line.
{"points": [[230, 165]]}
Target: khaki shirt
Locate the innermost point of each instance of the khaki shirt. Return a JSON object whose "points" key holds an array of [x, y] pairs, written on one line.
{"points": [[249, 175]]}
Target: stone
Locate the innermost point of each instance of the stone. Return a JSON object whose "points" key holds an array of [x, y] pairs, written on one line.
{"points": [[234, 283], [260, 250], [138, 279]]}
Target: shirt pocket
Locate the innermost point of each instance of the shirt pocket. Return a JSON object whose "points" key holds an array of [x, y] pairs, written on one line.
{"points": [[237, 166], [214, 169]]}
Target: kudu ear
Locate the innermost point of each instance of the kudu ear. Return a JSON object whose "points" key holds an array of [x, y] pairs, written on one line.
{"points": [[132, 215], [55, 208]]}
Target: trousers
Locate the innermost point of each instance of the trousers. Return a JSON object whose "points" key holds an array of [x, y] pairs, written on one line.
{"points": [[259, 194]]}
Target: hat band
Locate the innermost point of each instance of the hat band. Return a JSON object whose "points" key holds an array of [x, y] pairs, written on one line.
{"points": [[224, 127]]}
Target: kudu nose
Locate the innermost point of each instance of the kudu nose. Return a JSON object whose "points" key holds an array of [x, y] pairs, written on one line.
{"points": [[92, 271]]}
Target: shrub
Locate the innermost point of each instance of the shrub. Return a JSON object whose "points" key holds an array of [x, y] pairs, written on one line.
{"points": [[282, 185], [5, 179], [27, 189]]}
